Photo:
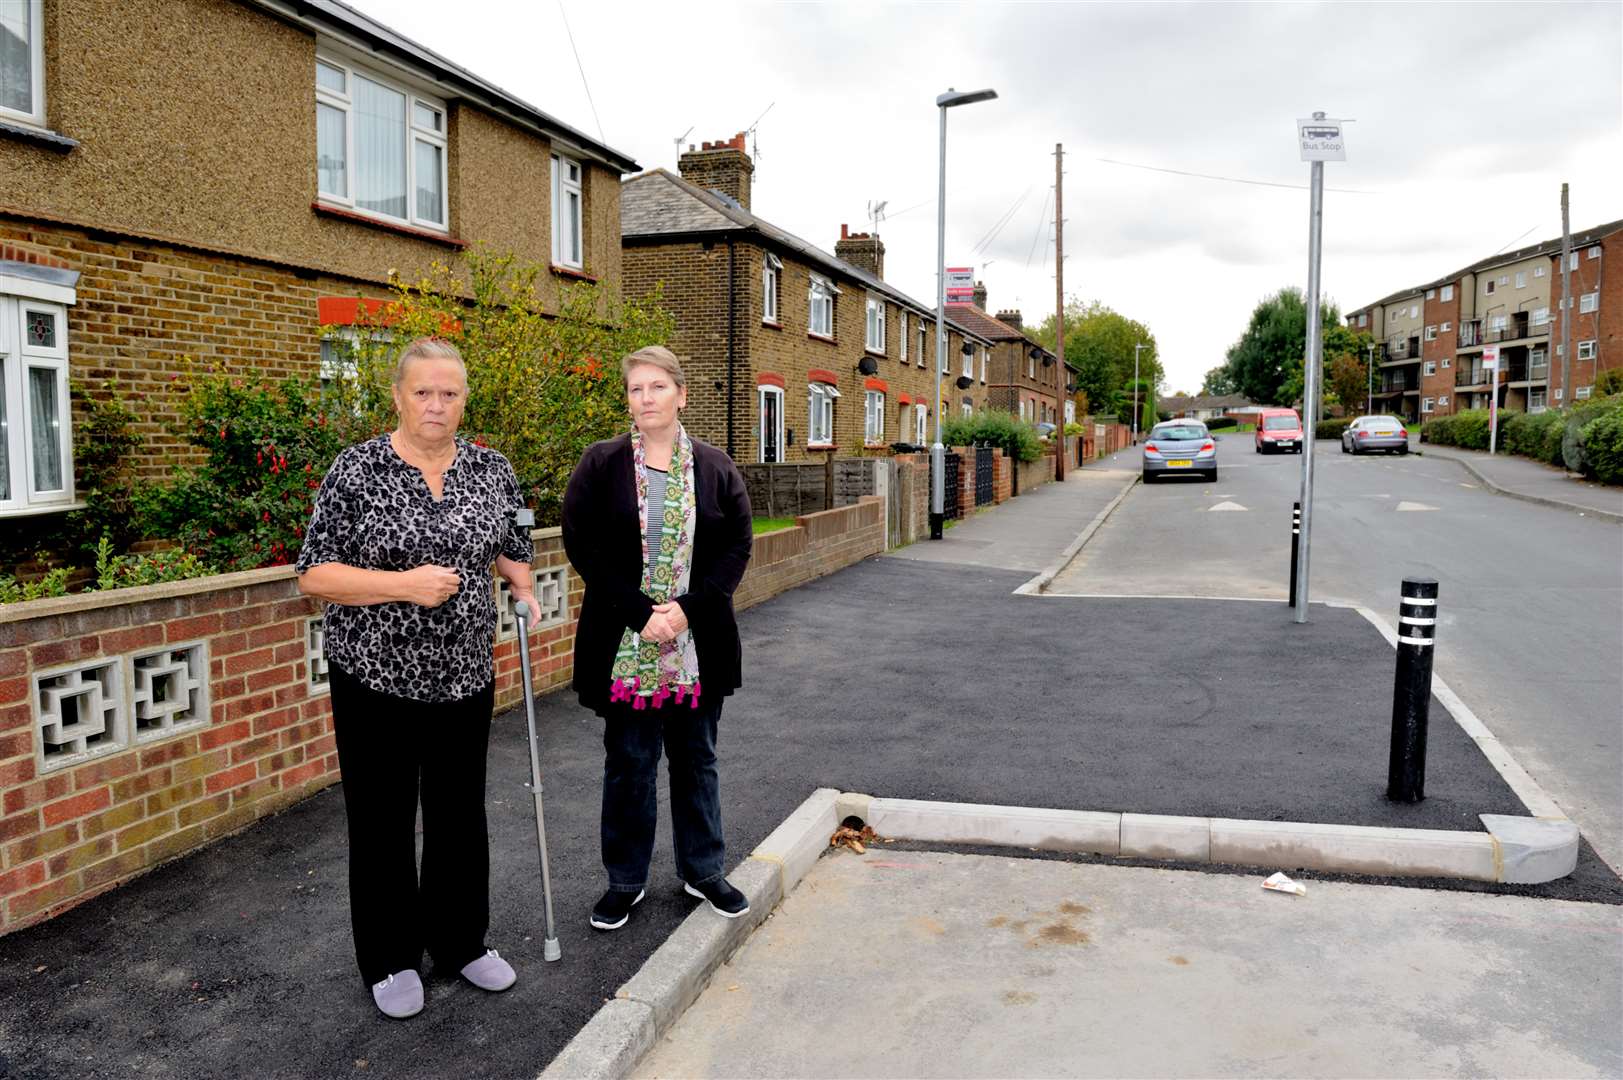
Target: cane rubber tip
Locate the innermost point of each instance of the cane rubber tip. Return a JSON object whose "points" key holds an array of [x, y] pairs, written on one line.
{"points": [[550, 950]]}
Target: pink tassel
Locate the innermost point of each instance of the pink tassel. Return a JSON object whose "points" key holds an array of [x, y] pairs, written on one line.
{"points": [[640, 703], [680, 690]]}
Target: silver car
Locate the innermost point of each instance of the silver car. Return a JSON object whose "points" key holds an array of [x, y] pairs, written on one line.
{"points": [[1375, 433], [1179, 446]]}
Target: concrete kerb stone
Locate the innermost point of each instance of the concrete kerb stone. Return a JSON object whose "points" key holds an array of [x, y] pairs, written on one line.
{"points": [[1011, 826], [609, 1046], [1355, 849], [1541, 500], [1165, 836], [617, 1036], [1531, 850], [1040, 583]]}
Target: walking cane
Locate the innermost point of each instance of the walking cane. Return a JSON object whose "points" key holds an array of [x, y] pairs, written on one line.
{"points": [[549, 948]]}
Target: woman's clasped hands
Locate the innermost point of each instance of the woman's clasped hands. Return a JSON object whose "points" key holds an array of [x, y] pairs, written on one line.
{"points": [[667, 621]]}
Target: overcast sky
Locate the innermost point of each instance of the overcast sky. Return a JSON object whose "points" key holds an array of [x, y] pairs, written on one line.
{"points": [[1468, 117]]}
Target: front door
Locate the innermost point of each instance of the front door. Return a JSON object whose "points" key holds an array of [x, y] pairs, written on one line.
{"points": [[771, 427]]}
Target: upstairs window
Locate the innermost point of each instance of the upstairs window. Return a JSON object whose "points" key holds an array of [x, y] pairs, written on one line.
{"points": [[875, 339], [1448, 292], [924, 332], [1594, 252], [1588, 302], [969, 360], [1538, 271], [22, 61], [1488, 288], [820, 297], [380, 149], [1521, 279], [1363, 319], [566, 212], [771, 271], [902, 337], [986, 359]]}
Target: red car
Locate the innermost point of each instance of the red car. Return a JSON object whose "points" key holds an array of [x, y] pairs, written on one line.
{"points": [[1279, 430]]}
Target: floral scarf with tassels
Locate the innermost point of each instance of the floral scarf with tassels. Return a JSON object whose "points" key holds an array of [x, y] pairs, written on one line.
{"points": [[649, 673]]}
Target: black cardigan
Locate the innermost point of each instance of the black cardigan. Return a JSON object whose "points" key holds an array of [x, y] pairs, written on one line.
{"points": [[604, 540]]}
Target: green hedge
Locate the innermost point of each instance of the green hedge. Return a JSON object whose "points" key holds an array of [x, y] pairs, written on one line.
{"points": [[1017, 438], [1332, 429], [1537, 436], [1219, 423], [1467, 430]]}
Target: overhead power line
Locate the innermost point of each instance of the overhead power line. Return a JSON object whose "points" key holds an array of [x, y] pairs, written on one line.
{"points": [[1227, 179], [582, 67]]}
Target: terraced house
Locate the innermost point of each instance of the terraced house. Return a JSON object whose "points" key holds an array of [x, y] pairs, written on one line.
{"points": [[792, 353], [215, 179], [1025, 378], [1431, 338]]}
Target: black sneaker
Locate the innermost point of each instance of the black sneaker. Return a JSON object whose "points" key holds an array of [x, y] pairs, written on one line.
{"points": [[724, 899], [611, 912]]}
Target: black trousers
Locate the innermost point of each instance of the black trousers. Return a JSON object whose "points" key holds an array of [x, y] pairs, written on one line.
{"points": [[391, 751], [632, 739]]}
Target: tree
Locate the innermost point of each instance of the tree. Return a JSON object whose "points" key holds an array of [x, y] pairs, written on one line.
{"points": [[1099, 346], [1346, 362], [1268, 356], [1218, 382]]}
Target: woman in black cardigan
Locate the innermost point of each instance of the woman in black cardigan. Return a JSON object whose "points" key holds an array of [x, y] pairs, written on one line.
{"points": [[658, 526]]}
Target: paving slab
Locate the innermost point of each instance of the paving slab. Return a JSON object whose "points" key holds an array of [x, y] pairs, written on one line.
{"points": [[932, 964]]}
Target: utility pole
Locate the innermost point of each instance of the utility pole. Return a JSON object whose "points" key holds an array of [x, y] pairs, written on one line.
{"points": [[1566, 303], [1138, 406], [1059, 308]]}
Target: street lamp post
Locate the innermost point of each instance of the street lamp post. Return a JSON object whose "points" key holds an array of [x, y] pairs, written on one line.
{"points": [[1138, 406], [938, 481], [1369, 402]]}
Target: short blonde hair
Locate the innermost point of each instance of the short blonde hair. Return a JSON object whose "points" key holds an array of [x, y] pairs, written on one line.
{"points": [[427, 348], [657, 355]]}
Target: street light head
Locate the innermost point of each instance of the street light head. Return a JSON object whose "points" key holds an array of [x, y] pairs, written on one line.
{"points": [[963, 97]]}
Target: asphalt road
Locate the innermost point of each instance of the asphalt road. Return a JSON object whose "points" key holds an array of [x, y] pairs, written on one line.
{"points": [[1531, 597]]}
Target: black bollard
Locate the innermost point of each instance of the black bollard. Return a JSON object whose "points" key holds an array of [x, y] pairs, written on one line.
{"points": [[1411, 692], [1296, 545]]}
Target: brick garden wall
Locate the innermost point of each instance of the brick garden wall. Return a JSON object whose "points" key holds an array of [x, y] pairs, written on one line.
{"points": [[818, 544]]}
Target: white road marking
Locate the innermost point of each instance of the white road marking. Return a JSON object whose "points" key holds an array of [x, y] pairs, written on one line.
{"points": [[1413, 506], [1468, 485], [1225, 506]]}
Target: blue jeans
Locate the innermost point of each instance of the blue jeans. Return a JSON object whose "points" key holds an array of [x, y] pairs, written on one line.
{"points": [[631, 744]]}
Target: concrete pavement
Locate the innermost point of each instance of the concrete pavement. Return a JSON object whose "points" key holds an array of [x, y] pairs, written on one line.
{"points": [[932, 964], [1533, 481]]}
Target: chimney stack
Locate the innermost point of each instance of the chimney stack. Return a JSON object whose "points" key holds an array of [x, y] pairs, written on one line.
{"points": [[861, 249], [1009, 318], [980, 295], [722, 167]]}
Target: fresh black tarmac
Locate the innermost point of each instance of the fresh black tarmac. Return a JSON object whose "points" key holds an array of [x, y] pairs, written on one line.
{"points": [[895, 678]]}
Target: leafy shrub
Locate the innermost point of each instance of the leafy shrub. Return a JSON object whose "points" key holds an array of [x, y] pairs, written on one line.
{"points": [[1574, 454], [1603, 446], [1074, 429], [1220, 423], [147, 568], [1332, 429], [1017, 438], [1609, 382], [1534, 435], [1467, 430], [54, 583]]}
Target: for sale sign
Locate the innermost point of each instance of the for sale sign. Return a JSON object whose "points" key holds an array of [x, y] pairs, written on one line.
{"points": [[960, 284], [1490, 358]]}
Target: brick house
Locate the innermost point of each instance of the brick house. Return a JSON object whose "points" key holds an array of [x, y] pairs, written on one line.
{"points": [[1432, 337], [1025, 380], [792, 353], [1596, 311], [220, 205]]}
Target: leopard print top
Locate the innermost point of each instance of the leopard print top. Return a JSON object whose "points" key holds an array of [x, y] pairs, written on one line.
{"points": [[375, 511]]}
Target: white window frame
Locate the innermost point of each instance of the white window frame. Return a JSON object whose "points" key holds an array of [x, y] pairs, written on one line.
{"points": [[1431, 294], [1498, 322], [1581, 393], [1447, 363], [1504, 279], [1586, 350], [874, 325], [969, 409], [944, 359], [18, 358], [873, 417], [1363, 319], [820, 294], [761, 394], [986, 362], [1446, 327], [1558, 392], [344, 102], [1521, 279], [969, 362], [1431, 333], [1448, 293], [1442, 401], [1537, 399], [1572, 262], [771, 278], [924, 343], [903, 337], [1430, 367], [36, 70], [820, 398], [568, 250], [1588, 302], [921, 423], [1426, 405], [1594, 251], [1538, 271], [1414, 311], [1031, 365]]}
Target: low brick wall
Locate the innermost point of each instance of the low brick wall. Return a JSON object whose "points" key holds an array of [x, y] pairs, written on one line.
{"points": [[818, 544], [1035, 473], [176, 714]]}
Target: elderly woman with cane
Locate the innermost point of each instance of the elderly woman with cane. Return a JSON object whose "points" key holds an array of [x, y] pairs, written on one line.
{"points": [[658, 526], [405, 529]]}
